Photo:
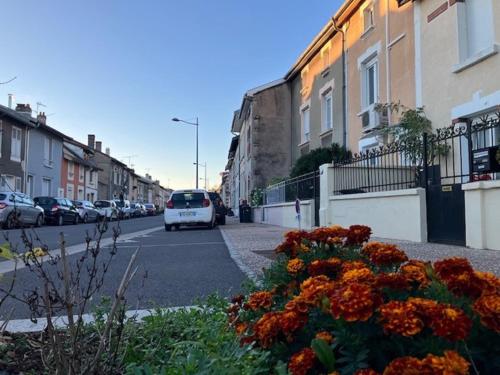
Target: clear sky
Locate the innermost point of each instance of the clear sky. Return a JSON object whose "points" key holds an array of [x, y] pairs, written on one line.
{"points": [[121, 69]]}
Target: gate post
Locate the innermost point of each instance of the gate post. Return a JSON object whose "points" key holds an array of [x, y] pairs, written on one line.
{"points": [[425, 161], [469, 150], [325, 190]]}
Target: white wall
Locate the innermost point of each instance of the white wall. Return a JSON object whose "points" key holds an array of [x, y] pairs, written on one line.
{"points": [[482, 214], [283, 214]]}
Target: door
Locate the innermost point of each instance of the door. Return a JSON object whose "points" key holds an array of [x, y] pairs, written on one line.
{"points": [[446, 214]]}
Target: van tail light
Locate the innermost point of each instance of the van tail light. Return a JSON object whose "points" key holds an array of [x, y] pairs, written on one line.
{"points": [[170, 204], [55, 208], [206, 202], [2, 206]]}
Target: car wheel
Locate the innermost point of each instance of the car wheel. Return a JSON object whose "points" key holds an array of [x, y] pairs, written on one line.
{"points": [[39, 221], [76, 220], [211, 225], [168, 228], [10, 223], [60, 220]]}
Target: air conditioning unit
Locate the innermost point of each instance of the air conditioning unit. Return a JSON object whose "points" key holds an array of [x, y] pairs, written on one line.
{"points": [[371, 119]]}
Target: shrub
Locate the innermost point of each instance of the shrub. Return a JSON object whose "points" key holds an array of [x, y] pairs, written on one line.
{"points": [[311, 161], [332, 301]]}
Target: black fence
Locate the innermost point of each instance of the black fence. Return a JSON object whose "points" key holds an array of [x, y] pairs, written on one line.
{"points": [[302, 187], [450, 156]]}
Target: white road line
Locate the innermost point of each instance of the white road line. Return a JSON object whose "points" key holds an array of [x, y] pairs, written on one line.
{"points": [[169, 245], [26, 325], [9, 266]]}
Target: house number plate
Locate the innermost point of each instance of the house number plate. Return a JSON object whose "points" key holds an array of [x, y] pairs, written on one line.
{"points": [[446, 188]]}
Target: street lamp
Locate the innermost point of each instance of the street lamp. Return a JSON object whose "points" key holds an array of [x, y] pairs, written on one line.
{"points": [[204, 165], [175, 119]]}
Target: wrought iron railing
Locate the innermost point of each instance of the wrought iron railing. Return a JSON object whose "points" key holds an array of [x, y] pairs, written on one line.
{"points": [[302, 187]]}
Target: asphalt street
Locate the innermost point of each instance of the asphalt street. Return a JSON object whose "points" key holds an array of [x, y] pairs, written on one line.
{"points": [[174, 268]]}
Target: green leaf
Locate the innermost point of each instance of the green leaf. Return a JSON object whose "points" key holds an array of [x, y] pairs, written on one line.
{"points": [[281, 368], [324, 353]]}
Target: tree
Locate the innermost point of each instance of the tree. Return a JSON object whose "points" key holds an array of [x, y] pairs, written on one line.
{"points": [[311, 161]]}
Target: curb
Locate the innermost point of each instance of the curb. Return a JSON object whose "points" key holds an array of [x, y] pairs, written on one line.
{"points": [[236, 257]]}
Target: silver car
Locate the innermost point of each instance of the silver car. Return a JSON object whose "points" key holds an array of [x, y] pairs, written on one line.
{"points": [[19, 209], [88, 212]]}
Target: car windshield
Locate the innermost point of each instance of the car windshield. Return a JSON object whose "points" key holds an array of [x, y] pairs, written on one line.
{"points": [[184, 200], [120, 203], [102, 204]]}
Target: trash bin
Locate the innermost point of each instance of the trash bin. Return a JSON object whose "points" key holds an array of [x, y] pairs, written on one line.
{"points": [[245, 214]]}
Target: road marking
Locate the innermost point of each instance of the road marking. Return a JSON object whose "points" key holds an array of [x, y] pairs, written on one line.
{"points": [[9, 265], [169, 245], [26, 325]]}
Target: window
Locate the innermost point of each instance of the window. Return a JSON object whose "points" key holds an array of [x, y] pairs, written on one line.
{"points": [[46, 187], [15, 149], [306, 115], [7, 183], [47, 152], [91, 177], [368, 16], [71, 170], [30, 188], [325, 56], [477, 30], [327, 111], [81, 194], [70, 191], [18, 184], [81, 173], [369, 83]]}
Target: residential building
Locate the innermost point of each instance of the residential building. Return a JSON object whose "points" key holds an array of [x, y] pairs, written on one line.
{"points": [[263, 125], [14, 127], [233, 172]]}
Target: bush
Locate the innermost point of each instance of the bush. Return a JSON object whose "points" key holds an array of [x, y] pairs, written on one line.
{"points": [[335, 303], [190, 341], [311, 161]]}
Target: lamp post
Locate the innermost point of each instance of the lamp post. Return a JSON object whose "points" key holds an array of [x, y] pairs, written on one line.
{"points": [[205, 166], [175, 119]]}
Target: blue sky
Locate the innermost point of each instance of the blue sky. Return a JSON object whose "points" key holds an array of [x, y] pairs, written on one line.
{"points": [[122, 69]]}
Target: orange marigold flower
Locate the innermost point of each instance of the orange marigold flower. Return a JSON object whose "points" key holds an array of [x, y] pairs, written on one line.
{"points": [[490, 282], [332, 241], [451, 267], [450, 322], [406, 366], [297, 304], [302, 362], [401, 318], [360, 275], [315, 288], [451, 363], [488, 309], [395, 281], [259, 300], [324, 267], [366, 371], [372, 246], [291, 321], [294, 266], [424, 307], [296, 235], [415, 271], [325, 336], [387, 255], [354, 302], [304, 248], [240, 328], [358, 234], [267, 329], [353, 265]]}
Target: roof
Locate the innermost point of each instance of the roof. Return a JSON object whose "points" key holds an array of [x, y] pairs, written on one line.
{"points": [[79, 159], [265, 87]]}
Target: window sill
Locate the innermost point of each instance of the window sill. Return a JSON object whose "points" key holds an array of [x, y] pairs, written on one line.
{"points": [[476, 59], [305, 143], [367, 31], [48, 164], [12, 158], [324, 133]]}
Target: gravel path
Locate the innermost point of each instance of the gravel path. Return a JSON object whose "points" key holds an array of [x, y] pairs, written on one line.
{"points": [[249, 243]]}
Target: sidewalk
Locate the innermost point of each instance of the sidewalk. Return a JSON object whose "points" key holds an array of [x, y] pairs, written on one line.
{"points": [[252, 246]]}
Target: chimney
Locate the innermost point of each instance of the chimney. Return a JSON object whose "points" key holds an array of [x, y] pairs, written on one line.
{"points": [[41, 118], [11, 97], [98, 146], [91, 141], [107, 151], [24, 109]]}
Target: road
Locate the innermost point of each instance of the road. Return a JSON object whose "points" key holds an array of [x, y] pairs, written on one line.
{"points": [[174, 268]]}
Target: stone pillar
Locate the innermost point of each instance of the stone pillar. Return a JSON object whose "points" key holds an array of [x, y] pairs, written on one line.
{"points": [[325, 190]]}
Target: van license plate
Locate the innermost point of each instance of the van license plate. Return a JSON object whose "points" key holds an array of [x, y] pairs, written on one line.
{"points": [[187, 213]]}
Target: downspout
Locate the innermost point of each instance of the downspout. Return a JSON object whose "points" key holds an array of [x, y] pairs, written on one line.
{"points": [[26, 159], [344, 83], [387, 59]]}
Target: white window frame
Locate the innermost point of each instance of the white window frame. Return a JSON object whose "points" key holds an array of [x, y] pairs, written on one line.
{"points": [[367, 12], [48, 183], [81, 173], [304, 75], [18, 186], [48, 159], [326, 55], [71, 170], [365, 82], [70, 187], [30, 185], [305, 133], [16, 144]]}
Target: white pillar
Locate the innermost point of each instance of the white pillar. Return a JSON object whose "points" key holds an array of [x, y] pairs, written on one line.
{"points": [[325, 190]]}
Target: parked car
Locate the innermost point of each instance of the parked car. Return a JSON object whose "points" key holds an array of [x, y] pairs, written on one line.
{"points": [[189, 207], [143, 210], [87, 211], [136, 210], [150, 209], [58, 210], [220, 208], [124, 211], [19, 209], [107, 209]]}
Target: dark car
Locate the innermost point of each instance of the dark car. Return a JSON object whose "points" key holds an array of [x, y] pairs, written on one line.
{"points": [[150, 209], [220, 208], [58, 210]]}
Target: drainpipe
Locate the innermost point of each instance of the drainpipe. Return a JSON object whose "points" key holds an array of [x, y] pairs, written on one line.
{"points": [[387, 58], [26, 156], [344, 82]]}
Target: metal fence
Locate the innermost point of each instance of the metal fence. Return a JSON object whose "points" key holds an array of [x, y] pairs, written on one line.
{"points": [[445, 157], [302, 187]]}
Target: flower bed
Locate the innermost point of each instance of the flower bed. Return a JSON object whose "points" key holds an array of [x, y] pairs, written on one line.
{"points": [[334, 302]]}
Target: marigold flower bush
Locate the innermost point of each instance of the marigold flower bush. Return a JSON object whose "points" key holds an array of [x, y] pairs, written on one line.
{"points": [[335, 303]]}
